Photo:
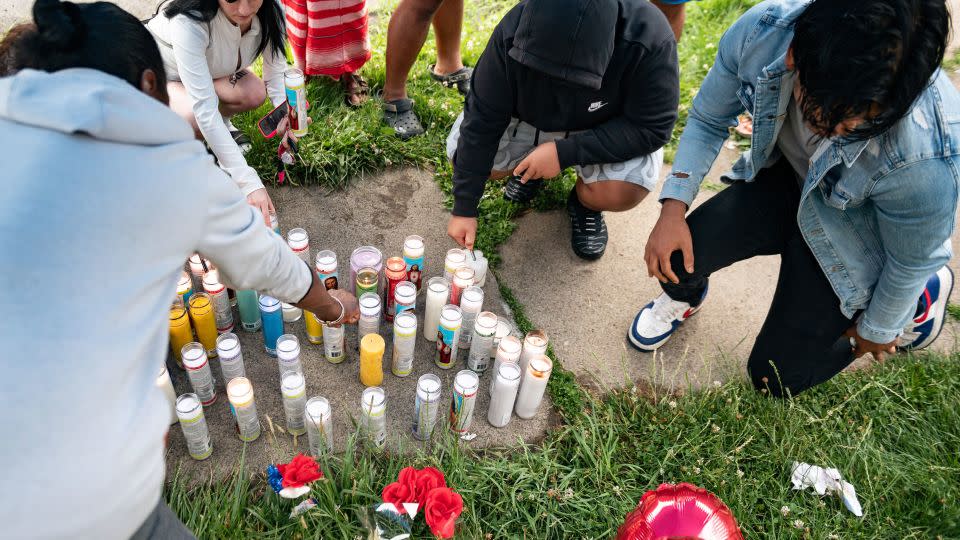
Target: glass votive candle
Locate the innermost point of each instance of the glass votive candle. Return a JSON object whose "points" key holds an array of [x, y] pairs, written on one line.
{"points": [[318, 418]]}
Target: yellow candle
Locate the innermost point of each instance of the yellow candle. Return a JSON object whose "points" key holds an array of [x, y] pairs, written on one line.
{"points": [[371, 360], [180, 331], [201, 313], [314, 328]]}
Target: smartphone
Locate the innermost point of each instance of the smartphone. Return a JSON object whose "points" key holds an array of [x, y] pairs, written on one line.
{"points": [[268, 124]]}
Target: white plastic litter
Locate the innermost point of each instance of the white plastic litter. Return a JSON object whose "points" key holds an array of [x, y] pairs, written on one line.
{"points": [[805, 475]]}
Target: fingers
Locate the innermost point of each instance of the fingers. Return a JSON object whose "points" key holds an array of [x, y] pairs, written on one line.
{"points": [[667, 269], [469, 237], [270, 207], [686, 247], [522, 168]]}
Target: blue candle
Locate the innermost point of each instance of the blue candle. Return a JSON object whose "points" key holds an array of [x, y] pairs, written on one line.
{"points": [[272, 319], [249, 310]]}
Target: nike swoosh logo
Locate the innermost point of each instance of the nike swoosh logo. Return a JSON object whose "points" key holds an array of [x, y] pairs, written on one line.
{"points": [[596, 106]]}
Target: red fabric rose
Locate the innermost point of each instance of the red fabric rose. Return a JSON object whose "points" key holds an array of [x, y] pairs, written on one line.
{"points": [[300, 471], [397, 493], [427, 480], [408, 477], [443, 507]]}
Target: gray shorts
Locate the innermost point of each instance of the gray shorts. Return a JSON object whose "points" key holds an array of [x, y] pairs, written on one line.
{"points": [[521, 138]]}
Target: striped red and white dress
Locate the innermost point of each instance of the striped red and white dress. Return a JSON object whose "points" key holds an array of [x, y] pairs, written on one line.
{"points": [[328, 37]]}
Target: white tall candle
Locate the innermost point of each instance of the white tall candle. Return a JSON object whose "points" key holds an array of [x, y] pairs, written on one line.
{"points": [[221, 301], [448, 335], [535, 344], [370, 309], [373, 415], [462, 278], [482, 341], [288, 354], [166, 386], [426, 406], [504, 329], [413, 259], [437, 291], [240, 394], [455, 258], [471, 303], [198, 371], [504, 396], [533, 386], [333, 344], [299, 242], [293, 387], [319, 421], [194, 426], [507, 353], [404, 343], [291, 313], [197, 271], [465, 386], [231, 358], [479, 266]]}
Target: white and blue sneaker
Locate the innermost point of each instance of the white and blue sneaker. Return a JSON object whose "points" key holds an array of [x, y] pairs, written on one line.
{"points": [[931, 312], [658, 320]]}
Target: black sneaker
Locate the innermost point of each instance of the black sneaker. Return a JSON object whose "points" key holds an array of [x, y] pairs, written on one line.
{"points": [[588, 231], [520, 193]]}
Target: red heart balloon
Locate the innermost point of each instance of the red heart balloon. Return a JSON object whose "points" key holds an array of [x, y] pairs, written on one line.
{"points": [[682, 511]]}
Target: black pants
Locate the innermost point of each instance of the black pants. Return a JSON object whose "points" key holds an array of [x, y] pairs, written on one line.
{"points": [[801, 343], [163, 524]]}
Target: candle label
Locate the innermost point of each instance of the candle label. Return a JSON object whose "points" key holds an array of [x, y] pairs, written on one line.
{"points": [[222, 312], [424, 416], [201, 379], [314, 328], [293, 406], [446, 346], [414, 269], [198, 437], [404, 344], [333, 344], [400, 308], [375, 423], [466, 330], [248, 425], [390, 310], [461, 410], [330, 280]]}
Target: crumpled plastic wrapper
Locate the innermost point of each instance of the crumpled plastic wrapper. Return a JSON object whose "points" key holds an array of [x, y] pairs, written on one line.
{"points": [[823, 481]]}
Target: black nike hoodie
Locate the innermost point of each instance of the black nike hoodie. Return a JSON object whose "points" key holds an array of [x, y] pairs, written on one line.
{"points": [[604, 67]]}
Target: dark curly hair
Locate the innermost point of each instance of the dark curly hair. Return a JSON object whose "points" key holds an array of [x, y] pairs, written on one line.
{"points": [[98, 36], [866, 57], [274, 31]]}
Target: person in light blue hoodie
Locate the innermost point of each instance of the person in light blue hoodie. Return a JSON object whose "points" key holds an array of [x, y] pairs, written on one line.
{"points": [[105, 193], [851, 178]]}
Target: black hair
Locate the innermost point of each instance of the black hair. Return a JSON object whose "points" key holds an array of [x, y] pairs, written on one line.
{"points": [[866, 57], [273, 31], [98, 36]]}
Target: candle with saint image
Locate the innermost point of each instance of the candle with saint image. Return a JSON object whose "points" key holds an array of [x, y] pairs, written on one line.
{"points": [[299, 242], [198, 371], [319, 422], [504, 396], [395, 272], [244, 408], [221, 302], [532, 386], [413, 259], [368, 281], [371, 360], [404, 297], [448, 336], [293, 387], [425, 406], [166, 386], [373, 415], [482, 342], [404, 343], [196, 265], [333, 344], [535, 344], [194, 426], [248, 303], [471, 303], [272, 321], [231, 358], [438, 290], [462, 278], [465, 386], [204, 321], [180, 330], [288, 354], [456, 258], [291, 313], [184, 287], [326, 265], [369, 322], [365, 257], [508, 352]]}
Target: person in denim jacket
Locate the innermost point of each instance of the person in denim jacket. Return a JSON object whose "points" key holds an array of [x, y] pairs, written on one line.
{"points": [[851, 178]]}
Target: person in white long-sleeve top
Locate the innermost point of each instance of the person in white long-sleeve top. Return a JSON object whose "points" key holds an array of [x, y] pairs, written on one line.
{"points": [[208, 47], [105, 193]]}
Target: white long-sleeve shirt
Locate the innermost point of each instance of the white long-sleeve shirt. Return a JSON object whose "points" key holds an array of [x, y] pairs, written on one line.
{"points": [[196, 53], [106, 192]]}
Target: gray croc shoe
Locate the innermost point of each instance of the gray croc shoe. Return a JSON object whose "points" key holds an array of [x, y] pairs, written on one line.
{"points": [[399, 115], [459, 79]]}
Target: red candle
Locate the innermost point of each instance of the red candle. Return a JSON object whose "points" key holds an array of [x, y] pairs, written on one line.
{"points": [[395, 271]]}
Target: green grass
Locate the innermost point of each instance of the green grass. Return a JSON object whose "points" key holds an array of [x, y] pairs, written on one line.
{"points": [[893, 432]]}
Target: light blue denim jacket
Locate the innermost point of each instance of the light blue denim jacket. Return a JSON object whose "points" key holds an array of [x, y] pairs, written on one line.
{"points": [[877, 214]]}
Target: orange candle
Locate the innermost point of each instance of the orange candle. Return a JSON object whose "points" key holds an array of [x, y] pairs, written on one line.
{"points": [[204, 321], [371, 360]]}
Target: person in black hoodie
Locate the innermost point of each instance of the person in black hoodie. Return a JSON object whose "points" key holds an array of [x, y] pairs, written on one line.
{"points": [[587, 83]]}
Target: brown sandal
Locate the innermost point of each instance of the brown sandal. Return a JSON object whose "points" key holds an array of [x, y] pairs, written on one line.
{"points": [[355, 89]]}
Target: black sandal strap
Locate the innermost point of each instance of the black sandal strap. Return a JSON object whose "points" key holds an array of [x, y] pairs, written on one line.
{"points": [[451, 79], [398, 106]]}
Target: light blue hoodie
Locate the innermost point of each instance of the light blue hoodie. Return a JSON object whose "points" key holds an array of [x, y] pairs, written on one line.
{"points": [[105, 194]]}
